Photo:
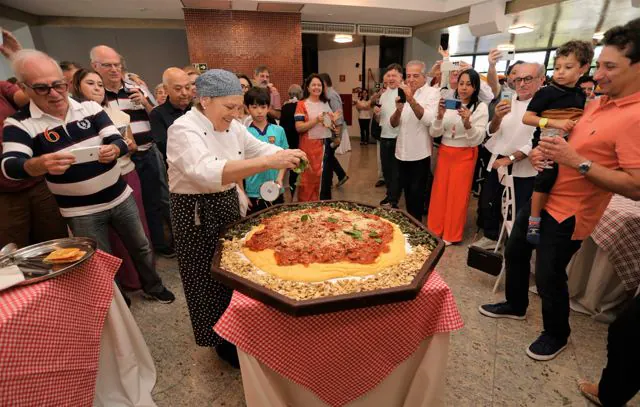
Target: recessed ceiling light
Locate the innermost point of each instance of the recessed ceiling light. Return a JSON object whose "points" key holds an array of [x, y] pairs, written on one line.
{"points": [[144, 9], [342, 38], [521, 28], [330, 14], [598, 36]]}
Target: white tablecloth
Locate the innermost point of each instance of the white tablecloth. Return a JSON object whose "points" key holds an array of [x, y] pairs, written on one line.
{"points": [[126, 372], [417, 382], [594, 287]]}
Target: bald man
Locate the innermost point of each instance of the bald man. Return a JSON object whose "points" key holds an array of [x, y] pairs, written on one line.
{"points": [[177, 85], [134, 100]]}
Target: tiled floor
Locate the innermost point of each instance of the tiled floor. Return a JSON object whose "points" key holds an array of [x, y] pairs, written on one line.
{"points": [[487, 363]]}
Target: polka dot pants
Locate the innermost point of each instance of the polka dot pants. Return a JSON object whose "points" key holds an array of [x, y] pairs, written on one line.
{"points": [[196, 221]]}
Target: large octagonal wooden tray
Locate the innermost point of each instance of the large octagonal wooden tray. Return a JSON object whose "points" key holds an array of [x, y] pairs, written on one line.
{"points": [[333, 303]]}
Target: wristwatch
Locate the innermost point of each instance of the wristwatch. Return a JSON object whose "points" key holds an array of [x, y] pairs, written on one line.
{"points": [[543, 122], [584, 167], [512, 158]]}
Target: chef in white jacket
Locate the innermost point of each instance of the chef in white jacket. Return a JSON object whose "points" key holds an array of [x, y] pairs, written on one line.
{"points": [[207, 151]]}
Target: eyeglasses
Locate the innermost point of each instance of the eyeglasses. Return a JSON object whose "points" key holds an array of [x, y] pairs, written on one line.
{"points": [[43, 90], [109, 66], [525, 81], [245, 86]]}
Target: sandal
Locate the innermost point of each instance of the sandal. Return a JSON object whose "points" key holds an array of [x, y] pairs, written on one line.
{"points": [[587, 390]]}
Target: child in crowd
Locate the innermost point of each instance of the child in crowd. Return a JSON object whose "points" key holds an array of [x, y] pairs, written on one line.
{"points": [[556, 106], [257, 101]]}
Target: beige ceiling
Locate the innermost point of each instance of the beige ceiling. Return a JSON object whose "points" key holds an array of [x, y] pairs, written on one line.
{"points": [[554, 25], [388, 12]]}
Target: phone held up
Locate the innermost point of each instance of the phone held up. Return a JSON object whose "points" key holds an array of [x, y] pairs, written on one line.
{"points": [[444, 41], [402, 96], [452, 104]]}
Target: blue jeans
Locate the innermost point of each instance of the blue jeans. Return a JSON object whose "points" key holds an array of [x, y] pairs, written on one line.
{"points": [[125, 220], [155, 195]]}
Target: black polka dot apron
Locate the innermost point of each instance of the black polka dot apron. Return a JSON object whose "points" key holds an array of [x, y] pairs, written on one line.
{"points": [[196, 221]]}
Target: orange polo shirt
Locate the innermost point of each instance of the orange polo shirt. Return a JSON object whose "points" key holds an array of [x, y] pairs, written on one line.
{"points": [[608, 134]]}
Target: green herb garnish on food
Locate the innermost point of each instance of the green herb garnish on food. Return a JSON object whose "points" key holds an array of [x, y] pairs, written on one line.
{"points": [[373, 233], [305, 218], [377, 240], [332, 220], [356, 234], [302, 166]]}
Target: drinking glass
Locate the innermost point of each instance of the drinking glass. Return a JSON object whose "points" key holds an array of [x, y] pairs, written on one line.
{"points": [[549, 134]]}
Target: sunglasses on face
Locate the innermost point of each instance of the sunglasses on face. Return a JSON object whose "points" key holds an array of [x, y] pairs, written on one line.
{"points": [[43, 89]]}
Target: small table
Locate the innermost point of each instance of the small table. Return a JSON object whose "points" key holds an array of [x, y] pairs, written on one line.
{"points": [[392, 354], [58, 336], [605, 272]]}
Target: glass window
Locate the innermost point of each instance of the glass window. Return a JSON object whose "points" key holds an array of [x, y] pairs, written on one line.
{"points": [[482, 63], [531, 56]]}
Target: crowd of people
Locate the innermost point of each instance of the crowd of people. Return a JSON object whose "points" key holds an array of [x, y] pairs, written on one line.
{"points": [[179, 161]]}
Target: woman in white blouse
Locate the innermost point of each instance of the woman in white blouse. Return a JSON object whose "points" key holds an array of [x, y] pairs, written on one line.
{"points": [[462, 130], [207, 149]]}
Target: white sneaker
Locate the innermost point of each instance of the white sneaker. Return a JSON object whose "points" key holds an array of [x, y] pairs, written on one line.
{"points": [[485, 243], [447, 243]]}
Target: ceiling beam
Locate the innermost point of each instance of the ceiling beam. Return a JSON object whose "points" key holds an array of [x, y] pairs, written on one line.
{"points": [[101, 22], [11, 13], [512, 7]]}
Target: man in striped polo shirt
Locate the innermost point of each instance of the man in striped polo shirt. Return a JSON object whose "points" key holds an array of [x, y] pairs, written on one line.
{"points": [[134, 101], [39, 140]]}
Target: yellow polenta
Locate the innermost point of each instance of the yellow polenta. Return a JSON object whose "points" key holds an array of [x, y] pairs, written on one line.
{"points": [[265, 260]]}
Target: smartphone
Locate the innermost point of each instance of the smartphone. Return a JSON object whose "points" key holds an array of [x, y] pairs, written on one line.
{"points": [[326, 120], [506, 94], [86, 154], [452, 104], [507, 51], [402, 96], [444, 41]]}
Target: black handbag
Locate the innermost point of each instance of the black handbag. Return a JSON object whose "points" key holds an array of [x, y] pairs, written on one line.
{"points": [[484, 260]]}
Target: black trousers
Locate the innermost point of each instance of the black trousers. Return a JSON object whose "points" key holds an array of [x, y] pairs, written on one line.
{"points": [[330, 165], [415, 181], [364, 130], [490, 202], [390, 170], [553, 254], [480, 172], [620, 379], [258, 204]]}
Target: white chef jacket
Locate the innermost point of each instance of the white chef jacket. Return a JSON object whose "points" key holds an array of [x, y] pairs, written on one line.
{"points": [[414, 142], [452, 129], [197, 153], [512, 136]]}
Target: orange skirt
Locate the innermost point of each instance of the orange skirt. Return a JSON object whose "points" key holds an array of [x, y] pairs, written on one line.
{"points": [[451, 190], [309, 188]]}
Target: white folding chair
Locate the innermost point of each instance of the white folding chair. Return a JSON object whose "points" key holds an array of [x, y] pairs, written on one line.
{"points": [[508, 216]]}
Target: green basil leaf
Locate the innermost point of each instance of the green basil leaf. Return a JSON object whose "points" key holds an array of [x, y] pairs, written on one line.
{"points": [[373, 233], [305, 218], [332, 220]]}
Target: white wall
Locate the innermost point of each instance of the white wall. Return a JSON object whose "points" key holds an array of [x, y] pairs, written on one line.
{"points": [[416, 48], [343, 61]]}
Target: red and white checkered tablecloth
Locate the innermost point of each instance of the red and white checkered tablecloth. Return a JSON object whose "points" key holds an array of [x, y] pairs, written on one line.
{"points": [[618, 233], [340, 356], [50, 336]]}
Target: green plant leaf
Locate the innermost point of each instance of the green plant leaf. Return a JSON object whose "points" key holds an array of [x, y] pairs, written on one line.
{"points": [[332, 220], [373, 233], [305, 218], [356, 234], [377, 240]]}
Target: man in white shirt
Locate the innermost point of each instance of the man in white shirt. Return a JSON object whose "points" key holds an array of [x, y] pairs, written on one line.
{"points": [[509, 144], [389, 134], [413, 145]]}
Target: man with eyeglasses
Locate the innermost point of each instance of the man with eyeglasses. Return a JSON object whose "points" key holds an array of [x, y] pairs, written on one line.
{"points": [[177, 85], [150, 166], [40, 141], [262, 78], [600, 157], [28, 212], [509, 145]]}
